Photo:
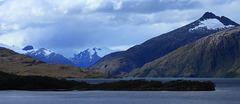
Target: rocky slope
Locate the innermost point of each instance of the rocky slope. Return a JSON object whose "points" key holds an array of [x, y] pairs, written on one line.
{"points": [[12, 62], [216, 55], [121, 63]]}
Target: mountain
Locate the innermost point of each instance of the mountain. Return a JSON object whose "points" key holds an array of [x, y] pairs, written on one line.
{"points": [[216, 55], [90, 56], [84, 58], [46, 55], [121, 63], [14, 63]]}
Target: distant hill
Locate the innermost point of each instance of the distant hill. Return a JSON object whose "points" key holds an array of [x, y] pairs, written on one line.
{"points": [[216, 55], [122, 63], [14, 63]]}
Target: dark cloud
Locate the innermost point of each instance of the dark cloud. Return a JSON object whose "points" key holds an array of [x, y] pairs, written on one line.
{"points": [[69, 25], [152, 6]]}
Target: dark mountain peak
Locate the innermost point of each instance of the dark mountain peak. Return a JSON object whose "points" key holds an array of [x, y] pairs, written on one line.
{"points": [[227, 21], [28, 47], [224, 20], [208, 15], [96, 49], [42, 49]]}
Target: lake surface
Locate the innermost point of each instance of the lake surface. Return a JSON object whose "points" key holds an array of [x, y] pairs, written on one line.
{"points": [[227, 92]]}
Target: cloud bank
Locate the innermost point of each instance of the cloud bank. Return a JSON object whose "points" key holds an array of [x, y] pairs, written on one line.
{"points": [[69, 25]]}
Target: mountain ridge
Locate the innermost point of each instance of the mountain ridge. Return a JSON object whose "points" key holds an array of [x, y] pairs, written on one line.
{"points": [[46, 55], [135, 57], [216, 55], [83, 59], [90, 56], [223, 19]]}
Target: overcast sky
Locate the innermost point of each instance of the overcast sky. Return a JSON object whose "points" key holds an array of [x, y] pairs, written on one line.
{"points": [[67, 26]]}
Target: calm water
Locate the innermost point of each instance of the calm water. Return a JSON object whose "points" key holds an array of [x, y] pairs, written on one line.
{"points": [[227, 92]]}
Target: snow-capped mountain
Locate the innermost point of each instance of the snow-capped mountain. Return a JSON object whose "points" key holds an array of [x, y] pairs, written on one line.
{"points": [[211, 24], [83, 59], [210, 21], [46, 55], [122, 63], [90, 56]]}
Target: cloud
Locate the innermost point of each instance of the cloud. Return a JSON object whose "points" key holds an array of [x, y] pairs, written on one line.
{"points": [[151, 6], [118, 5], [1, 1], [65, 26]]}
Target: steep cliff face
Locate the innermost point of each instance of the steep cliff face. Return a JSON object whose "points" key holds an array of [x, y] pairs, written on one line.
{"points": [[216, 55]]}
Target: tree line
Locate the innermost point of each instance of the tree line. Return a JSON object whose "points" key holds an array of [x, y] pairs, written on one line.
{"points": [[15, 82]]}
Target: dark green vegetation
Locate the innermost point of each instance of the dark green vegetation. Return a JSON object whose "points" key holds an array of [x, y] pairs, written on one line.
{"points": [[142, 85], [122, 63], [14, 63], [14, 82], [216, 55]]}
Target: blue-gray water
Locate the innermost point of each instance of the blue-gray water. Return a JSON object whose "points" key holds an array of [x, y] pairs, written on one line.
{"points": [[227, 92]]}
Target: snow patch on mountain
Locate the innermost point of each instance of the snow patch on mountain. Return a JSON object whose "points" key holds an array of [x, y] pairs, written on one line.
{"points": [[47, 52], [102, 51], [83, 59], [89, 56], [99, 51], [47, 55], [211, 24]]}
